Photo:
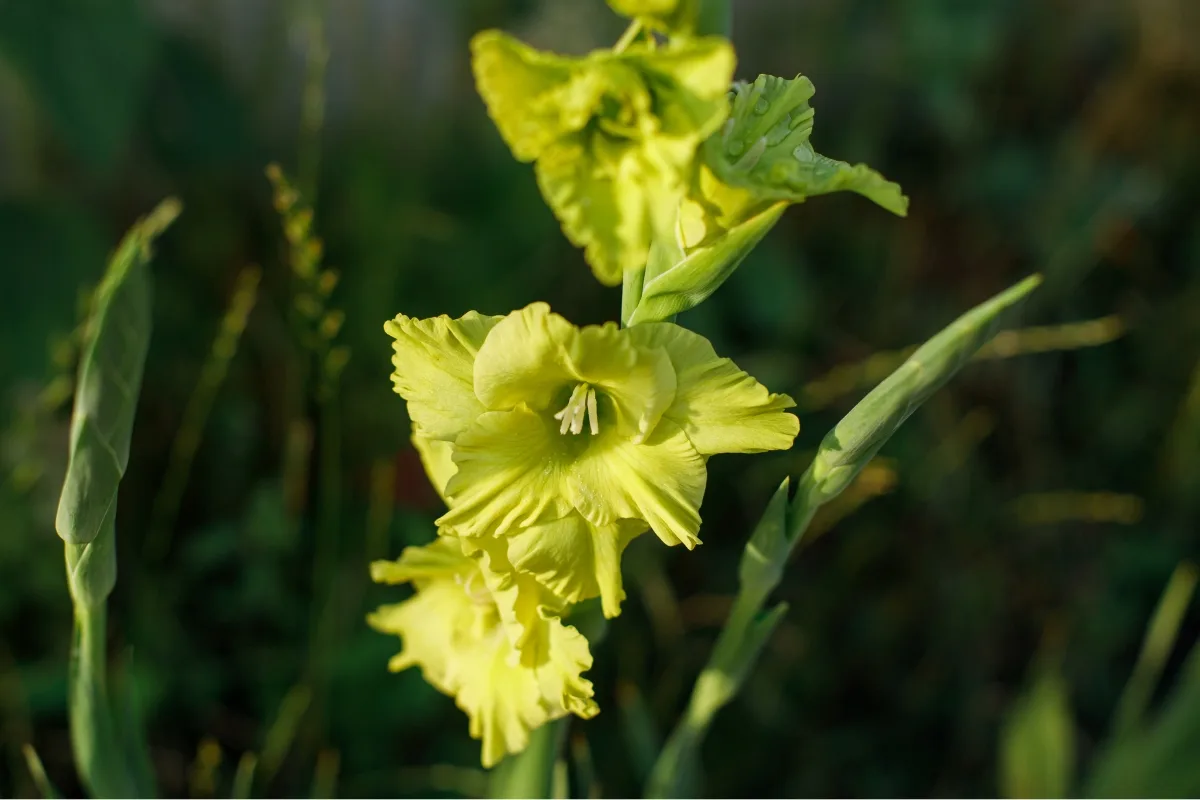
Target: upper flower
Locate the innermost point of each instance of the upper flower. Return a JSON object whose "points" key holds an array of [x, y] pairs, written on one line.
{"points": [[489, 638], [614, 135], [549, 423]]}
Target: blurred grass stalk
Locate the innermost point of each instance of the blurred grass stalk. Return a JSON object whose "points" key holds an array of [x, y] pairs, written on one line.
{"points": [[110, 376], [195, 415], [1037, 742], [843, 453], [1156, 647], [38, 773]]}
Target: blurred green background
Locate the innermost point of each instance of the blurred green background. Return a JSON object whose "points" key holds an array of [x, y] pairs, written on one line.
{"points": [[1036, 505]]}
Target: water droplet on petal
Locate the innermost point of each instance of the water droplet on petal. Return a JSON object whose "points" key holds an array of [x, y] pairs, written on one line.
{"points": [[762, 106], [737, 147], [779, 132], [803, 153]]}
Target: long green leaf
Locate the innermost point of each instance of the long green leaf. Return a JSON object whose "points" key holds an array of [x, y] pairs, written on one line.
{"points": [[1156, 648], [843, 453], [110, 375]]}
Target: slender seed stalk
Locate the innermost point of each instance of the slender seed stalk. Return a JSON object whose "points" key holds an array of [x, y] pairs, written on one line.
{"points": [[195, 416]]}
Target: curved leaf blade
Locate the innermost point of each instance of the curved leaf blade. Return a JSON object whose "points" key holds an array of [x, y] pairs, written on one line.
{"points": [[110, 375]]}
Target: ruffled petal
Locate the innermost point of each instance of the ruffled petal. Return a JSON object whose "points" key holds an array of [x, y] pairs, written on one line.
{"points": [[639, 382], [596, 187], [437, 457], [560, 677], [428, 623], [692, 81], [454, 632], [660, 481], [575, 559], [534, 97], [441, 558], [434, 362], [536, 357], [521, 601], [524, 360], [510, 475], [721, 408]]}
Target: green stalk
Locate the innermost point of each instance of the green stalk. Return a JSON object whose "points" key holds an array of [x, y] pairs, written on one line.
{"points": [[530, 773], [843, 453], [715, 18], [98, 756], [110, 375], [1159, 641]]}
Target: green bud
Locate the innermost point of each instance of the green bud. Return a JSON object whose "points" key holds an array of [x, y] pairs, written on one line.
{"points": [[691, 280], [766, 554], [854, 441], [110, 374]]}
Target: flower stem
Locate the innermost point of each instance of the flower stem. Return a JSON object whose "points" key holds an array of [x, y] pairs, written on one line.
{"points": [[715, 18], [628, 37], [98, 755]]}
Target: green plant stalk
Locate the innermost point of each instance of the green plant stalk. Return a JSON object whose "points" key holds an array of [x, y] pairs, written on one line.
{"points": [[715, 18], [530, 773], [93, 736], [843, 453], [1156, 648], [110, 375], [38, 773]]}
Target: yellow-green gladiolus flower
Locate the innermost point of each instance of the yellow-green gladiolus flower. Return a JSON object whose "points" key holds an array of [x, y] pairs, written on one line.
{"points": [[488, 637], [569, 441], [614, 135], [571, 557]]}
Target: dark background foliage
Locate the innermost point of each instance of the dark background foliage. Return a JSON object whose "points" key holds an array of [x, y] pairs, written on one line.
{"points": [[1032, 135]]}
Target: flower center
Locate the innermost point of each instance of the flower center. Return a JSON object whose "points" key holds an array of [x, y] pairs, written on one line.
{"points": [[581, 406]]}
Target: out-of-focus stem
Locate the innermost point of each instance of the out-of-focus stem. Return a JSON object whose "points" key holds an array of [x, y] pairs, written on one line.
{"points": [[715, 18]]}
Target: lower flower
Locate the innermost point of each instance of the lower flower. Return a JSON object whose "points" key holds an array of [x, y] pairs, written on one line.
{"points": [[490, 638]]}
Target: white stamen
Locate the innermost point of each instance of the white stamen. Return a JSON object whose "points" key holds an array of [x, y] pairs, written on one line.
{"points": [[593, 417], [572, 413], [580, 407]]}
